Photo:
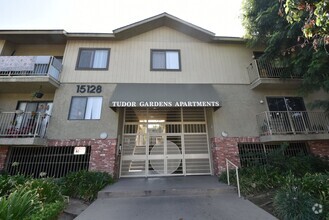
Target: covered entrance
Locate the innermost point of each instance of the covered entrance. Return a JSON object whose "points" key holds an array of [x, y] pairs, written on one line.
{"points": [[164, 142]]}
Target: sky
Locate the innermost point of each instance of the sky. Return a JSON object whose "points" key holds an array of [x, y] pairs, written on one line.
{"points": [[223, 17]]}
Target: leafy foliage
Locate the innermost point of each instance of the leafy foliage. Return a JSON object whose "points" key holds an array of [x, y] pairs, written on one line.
{"points": [[84, 184], [281, 39], [300, 183], [314, 14], [49, 212], [292, 203], [47, 189], [20, 204], [9, 183], [298, 197]]}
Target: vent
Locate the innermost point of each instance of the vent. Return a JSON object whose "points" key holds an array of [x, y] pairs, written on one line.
{"points": [[252, 154], [52, 161]]}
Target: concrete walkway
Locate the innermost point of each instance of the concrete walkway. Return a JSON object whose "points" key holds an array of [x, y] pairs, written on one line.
{"points": [[177, 198]]}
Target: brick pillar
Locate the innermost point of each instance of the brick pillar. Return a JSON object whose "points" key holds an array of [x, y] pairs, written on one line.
{"points": [[103, 156], [319, 148], [227, 147], [3, 156]]}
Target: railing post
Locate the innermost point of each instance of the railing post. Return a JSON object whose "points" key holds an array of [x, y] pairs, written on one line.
{"points": [[257, 69], [37, 125], [237, 175], [268, 123], [237, 180], [49, 64], [227, 172]]}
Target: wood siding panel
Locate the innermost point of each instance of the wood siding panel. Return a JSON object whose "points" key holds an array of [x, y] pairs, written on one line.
{"points": [[130, 60]]}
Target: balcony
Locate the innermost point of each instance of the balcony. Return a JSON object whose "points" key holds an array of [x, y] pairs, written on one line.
{"points": [[292, 126], [23, 128], [25, 74], [269, 75]]}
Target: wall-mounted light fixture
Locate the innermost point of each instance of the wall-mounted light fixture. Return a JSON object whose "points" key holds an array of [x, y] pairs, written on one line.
{"points": [[224, 134], [103, 135]]}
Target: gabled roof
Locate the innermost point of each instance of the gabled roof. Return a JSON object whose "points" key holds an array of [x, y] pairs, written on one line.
{"points": [[140, 27], [163, 19]]}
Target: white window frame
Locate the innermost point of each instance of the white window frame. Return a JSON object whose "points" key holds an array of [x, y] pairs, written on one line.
{"points": [[97, 60], [172, 60], [92, 108]]}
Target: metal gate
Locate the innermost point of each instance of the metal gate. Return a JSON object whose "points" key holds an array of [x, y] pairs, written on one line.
{"points": [[164, 142]]}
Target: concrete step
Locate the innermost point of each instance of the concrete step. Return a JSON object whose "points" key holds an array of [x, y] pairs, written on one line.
{"points": [[165, 192], [165, 186]]}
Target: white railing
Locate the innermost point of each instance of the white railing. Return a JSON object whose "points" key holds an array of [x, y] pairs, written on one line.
{"points": [[236, 173], [261, 68], [30, 66], [292, 122], [23, 124]]}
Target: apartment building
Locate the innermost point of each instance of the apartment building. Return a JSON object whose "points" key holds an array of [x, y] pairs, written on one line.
{"points": [[159, 97]]}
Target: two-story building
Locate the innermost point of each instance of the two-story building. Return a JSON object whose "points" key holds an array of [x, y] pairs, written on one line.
{"points": [[159, 97]]}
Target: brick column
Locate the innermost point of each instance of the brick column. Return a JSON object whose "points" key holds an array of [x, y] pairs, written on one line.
{"points": [[3, 156], [227, 148], [319, 148]]}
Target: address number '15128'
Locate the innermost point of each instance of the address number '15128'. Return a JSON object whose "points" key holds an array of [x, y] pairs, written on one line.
{"points": [[89, 89]]}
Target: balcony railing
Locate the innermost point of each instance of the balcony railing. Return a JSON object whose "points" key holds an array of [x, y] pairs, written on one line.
{"points": [[292, 122], [23, 124], [30, 66], [268, 69]]}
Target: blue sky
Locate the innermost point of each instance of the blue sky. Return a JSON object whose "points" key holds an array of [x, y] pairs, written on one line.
{"points": [[103, 16]]}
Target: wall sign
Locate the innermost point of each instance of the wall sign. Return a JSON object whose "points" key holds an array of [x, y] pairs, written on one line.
{"points": [[89, 88], [79, 151], [165, 104]]}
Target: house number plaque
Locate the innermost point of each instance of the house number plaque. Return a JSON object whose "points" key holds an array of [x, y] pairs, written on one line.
{"points": [[89, 88]]}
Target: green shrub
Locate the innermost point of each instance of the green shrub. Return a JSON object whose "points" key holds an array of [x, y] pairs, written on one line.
{"points": [[47, 189], [293, 203], [49, 212], [84, 184], [255, 179], [9, 183], [20, 204], [316, 185]]}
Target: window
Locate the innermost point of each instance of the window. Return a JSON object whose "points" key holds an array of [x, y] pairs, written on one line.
{"points": [[286, 104], [97, 59], [165, 60], [85, 108]]}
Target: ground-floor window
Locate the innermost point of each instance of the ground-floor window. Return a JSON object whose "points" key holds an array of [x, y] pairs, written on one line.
{"points": [[252, 154], [46, 161]]}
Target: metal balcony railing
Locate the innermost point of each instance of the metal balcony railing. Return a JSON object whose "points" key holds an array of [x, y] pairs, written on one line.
{"points": [[23, 124], [260, 68], [30, 66], [292, 122]]}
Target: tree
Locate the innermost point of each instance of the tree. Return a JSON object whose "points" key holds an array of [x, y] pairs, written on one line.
{"points": [[281, 40], [315, 14]]}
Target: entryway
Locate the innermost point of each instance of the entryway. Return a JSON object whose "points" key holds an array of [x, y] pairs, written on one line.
{"points": [[164, 142]]}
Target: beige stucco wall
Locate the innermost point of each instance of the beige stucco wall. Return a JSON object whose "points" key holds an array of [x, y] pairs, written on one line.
{"points": [[7, 49], [201, 62], [237, 116], [240, 105], [38, 50], [62, 128], [8, 101]]}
